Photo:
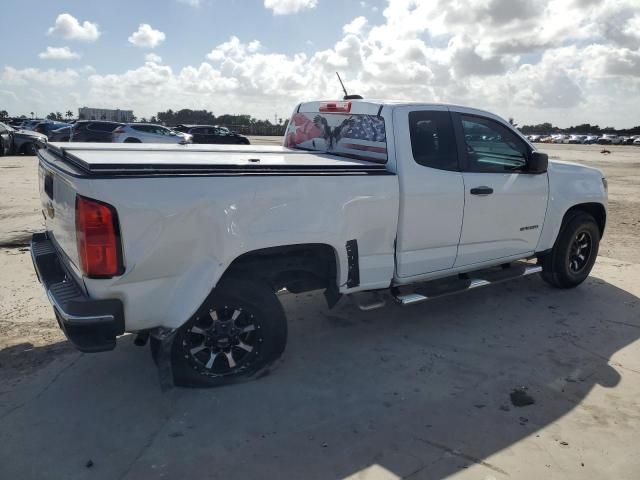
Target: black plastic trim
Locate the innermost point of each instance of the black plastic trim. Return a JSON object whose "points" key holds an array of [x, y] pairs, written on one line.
{"points": [[353, 264], [90, 325]]}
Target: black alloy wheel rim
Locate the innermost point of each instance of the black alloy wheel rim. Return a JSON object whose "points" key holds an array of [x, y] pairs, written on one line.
{"points": [[224, 341], [580, 251]]}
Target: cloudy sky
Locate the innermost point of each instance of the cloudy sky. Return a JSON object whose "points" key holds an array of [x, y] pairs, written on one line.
{"points": [[565, 61]]}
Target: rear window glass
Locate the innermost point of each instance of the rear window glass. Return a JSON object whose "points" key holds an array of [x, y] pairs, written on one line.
{"points": [[354, 136], [433, 140]]}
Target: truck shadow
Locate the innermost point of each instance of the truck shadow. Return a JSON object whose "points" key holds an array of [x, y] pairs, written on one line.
{"points": [[419, 392]]}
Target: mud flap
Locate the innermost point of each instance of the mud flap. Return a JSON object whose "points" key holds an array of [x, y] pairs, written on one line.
{"points": [[165, 369]]}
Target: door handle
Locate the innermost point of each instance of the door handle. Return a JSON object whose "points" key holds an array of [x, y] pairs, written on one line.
{"points": [[481, 191]]}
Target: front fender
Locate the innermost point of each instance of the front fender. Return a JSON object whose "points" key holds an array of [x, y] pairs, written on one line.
{"points": [[569, 185]]}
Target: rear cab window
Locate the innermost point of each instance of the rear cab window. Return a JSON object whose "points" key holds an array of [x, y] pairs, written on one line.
{"points": [[433, 140], [338, 128]]}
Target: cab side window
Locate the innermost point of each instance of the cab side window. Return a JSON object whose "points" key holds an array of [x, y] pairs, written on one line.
{"points": [[433, 141], [491, 147]]}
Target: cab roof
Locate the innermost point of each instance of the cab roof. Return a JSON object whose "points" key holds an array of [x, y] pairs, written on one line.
{"points": [[374, 106]]}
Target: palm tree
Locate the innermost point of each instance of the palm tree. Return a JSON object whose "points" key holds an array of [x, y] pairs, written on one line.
{"points": [[69, 114], [31, 114]]}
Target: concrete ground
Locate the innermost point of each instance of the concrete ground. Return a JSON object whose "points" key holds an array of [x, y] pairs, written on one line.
{"points": [[420, 392]]}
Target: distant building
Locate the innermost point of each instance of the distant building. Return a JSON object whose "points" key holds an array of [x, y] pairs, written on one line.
{"points": [[86, 113]]}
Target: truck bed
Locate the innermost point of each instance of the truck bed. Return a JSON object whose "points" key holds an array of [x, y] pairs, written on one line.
{"points": [[102, 160]]}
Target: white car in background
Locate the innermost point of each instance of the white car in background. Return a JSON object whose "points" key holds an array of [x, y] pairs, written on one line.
{"points": [[609, 139], [577, 139], [148, 133]]}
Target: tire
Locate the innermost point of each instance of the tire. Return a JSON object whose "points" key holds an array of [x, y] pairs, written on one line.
{"points": [[2, 151], [574, 253], [132, 140], [238, 332]]}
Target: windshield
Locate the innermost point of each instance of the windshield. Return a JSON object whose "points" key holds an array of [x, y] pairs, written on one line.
{"points": [[354, 136]]}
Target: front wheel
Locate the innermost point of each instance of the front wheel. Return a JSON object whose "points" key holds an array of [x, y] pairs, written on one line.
{"points": [[239, 331], [574, 253]]}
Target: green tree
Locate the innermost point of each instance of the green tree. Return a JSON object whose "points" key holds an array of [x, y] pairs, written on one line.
{"points": [[4, 114], [69, 114], [51, 116]]}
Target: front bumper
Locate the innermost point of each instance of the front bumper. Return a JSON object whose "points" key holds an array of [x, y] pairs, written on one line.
{"points": [[90, 325]]}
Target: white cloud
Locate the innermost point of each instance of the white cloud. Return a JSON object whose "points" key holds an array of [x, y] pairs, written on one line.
{"points": [[233, 48], [153, 58], [61, 53], [29, 76], [147, 37], [356, 26], [192, 3], [286, 7], [565, 61], [67, 26]]}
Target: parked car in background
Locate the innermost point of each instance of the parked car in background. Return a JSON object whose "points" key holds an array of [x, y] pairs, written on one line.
{"points": [[30, 124], [61, 134], [148, 133], [6, 139], [22, 141], [627, 140], [637, 141], [213, 134], [577, 139], [16, 123], [561, 138], [591, 139], [93, 131], [47, 127], [609, 139]]}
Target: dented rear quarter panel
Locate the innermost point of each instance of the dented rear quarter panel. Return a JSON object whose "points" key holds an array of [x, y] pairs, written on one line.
{"points": [[180, 234]]}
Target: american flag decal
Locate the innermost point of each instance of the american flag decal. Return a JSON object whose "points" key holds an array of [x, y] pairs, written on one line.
{"points": [[353, 136]]}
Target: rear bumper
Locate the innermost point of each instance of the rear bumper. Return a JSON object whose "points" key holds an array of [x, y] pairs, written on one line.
{"points": [[90, 325]]}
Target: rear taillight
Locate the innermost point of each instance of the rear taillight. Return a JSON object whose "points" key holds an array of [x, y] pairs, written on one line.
{"points": [[98, 237], [335, 107]]}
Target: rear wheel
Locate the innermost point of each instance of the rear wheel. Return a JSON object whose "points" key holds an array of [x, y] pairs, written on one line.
{"points": [[574, 253], [239, 331], [132, 140]]}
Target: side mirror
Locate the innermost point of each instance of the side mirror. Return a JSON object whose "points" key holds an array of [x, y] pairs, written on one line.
{"points": [[538, 162]]}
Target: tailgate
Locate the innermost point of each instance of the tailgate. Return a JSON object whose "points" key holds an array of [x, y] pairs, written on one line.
{"points": [[58, 199]]}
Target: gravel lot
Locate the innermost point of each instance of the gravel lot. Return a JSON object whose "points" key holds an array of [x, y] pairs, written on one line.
{"points": [[420, 392]]}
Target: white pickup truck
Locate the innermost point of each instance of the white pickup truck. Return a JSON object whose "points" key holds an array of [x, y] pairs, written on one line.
{"points": [[190, 245]]}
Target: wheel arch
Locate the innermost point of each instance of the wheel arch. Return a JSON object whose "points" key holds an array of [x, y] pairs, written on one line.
{"points": [[596, 210], [297, 267]]}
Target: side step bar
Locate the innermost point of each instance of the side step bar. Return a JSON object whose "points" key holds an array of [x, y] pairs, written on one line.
{"points": [[413, 298]]}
